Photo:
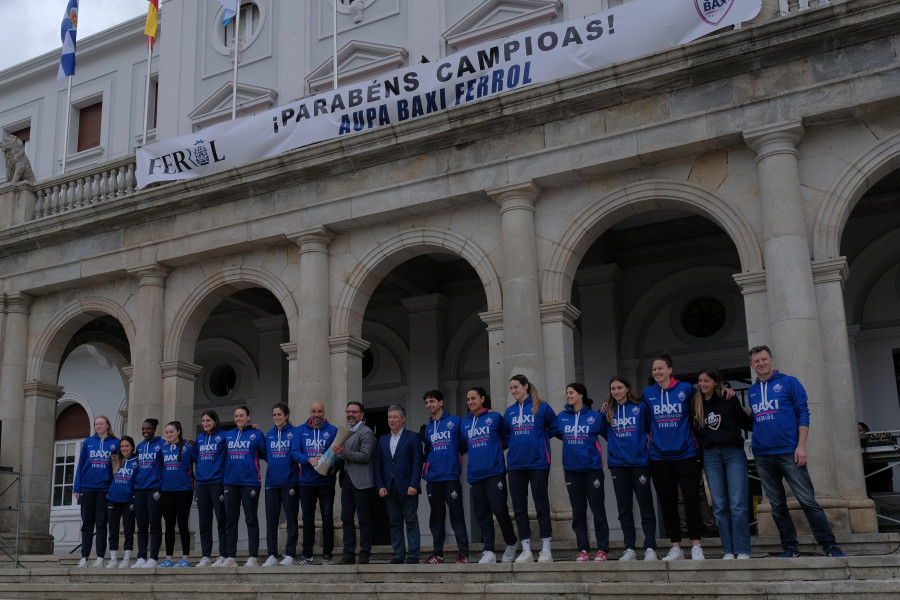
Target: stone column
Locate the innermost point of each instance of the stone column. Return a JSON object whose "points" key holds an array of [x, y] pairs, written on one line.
{"points": [[753, 288], [498, 388], [852, 336], [523, 349], [37, 467], [346, 368], [791, 302], [147, 398], [313, 303], [558, 323], [630, 370], [829, 277], [426, 352], [178, 384]]}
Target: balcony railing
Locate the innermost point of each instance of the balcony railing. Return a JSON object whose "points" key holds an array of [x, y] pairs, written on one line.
{"points": [[109, 181], [792, 6]]}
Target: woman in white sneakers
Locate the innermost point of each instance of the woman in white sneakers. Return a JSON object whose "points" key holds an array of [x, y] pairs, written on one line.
{"points": [[120, 502]]}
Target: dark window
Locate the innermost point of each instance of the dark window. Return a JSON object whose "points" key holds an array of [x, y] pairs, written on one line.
{"points": [[703, 317], [89, 121]]}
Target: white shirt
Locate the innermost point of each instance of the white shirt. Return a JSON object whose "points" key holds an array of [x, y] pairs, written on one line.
{"points": [[395, 439]]}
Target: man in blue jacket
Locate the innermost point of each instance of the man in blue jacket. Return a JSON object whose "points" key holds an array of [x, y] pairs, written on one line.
{"points": [[780, 430], [398, 471], [311, 441], [443, 444]]}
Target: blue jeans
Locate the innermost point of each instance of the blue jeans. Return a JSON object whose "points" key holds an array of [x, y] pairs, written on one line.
{"points": [[403, 509], [772, 469], [726, 473]]}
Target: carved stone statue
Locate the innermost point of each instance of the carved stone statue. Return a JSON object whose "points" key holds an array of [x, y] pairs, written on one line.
{"points": [[18, 167]]}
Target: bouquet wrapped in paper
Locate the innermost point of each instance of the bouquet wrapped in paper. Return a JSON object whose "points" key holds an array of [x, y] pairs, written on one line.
{"points": [[327, 460]]}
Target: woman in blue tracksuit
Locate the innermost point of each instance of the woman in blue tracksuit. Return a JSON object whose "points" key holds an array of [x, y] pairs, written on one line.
{"points": [[582, 456], [179, 456], [675, 455], [209, 488], [626, 427], [92, 478], [486, 473], [282, 486], [120, 502], [528, 426], [242, 481], [147, 494]]}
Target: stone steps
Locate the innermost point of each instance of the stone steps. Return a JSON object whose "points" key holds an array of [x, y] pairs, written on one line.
{"points": [[813, 577]]}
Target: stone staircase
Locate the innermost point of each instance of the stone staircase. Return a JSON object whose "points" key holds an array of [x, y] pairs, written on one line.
{"points": [[873, 572]]}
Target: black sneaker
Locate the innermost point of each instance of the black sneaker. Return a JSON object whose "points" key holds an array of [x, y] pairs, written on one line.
{"points": [[347, 559], [411, 561], [396, 561], [363, 558]]}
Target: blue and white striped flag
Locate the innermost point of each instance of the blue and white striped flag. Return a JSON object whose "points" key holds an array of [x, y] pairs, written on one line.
{"points": [[68, 29], [231, 7]]}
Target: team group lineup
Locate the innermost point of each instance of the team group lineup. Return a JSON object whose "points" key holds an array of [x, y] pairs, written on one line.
{"points": [[667, 436]]}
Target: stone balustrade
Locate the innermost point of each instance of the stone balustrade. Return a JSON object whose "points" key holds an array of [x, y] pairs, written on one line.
{"points": [[786, 7], [104, 183]]}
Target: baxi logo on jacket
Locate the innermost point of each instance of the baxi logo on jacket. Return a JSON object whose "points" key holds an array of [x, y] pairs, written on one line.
{"points": [[713, 11]]}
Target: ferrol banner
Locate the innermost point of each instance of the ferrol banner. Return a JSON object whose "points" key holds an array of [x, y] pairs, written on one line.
{"points": [[483, 71]]}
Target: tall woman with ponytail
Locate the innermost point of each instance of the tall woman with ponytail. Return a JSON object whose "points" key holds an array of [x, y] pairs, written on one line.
{"points": [[528, 426], [582, 457], [177, 492]]}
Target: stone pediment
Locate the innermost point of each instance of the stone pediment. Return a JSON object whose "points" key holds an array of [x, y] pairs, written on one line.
{"points": [[217, 108], [494, 19], [357, 61]]}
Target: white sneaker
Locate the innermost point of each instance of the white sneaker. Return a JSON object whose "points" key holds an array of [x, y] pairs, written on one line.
{"points": [[509, 555], [204, 562], [150, 564], [675, 553], [272, 561], [487, 558], [124, 563], [139, 563], [219, 562], [743, 556], [649, 554], [525, 556], [287, 561], [82, 564], [98, 564], [112, 564], [251, 562], [629, 554], [728, 556], [697, 553], [229, 562], [545, 556]]}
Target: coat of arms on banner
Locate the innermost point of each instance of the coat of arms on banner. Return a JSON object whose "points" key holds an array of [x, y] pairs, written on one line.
{"points": [[713, 11]]}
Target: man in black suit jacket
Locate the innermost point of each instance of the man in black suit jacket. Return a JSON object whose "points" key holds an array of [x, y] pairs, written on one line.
{"points": [[398, 473]]}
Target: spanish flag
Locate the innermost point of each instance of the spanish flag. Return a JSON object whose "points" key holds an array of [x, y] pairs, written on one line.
{"points": [[150, 27]]}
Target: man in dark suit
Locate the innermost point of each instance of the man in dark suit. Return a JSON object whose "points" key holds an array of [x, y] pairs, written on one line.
{"points": [[398, 472], [357, 478]]}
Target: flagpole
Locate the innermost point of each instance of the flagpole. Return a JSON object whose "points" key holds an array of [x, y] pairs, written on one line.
{"points": [[147, 90], [237, 39], [66, 134], [334, 65]]}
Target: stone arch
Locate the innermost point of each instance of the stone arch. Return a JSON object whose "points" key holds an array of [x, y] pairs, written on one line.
{"points": [[867, 268], [657, 296], [46, 358], [385, 256], [872, 165], [464, 336], [635, 198], [182, 336]]}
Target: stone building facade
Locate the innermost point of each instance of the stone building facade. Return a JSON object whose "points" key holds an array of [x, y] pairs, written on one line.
{"points": [[738, 190]]}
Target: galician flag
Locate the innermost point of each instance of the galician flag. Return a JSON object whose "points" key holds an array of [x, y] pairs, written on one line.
{"points": [[68, 30], [231, 8]]}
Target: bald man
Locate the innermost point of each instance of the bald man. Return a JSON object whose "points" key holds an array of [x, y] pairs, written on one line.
{"points": [[310, 443]]}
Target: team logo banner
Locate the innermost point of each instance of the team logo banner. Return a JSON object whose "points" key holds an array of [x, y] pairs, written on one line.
{"points": [[525, 59]]}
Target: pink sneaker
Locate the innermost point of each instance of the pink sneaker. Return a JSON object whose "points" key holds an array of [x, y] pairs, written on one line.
{"points": [[583, 557], [601, 556]]}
